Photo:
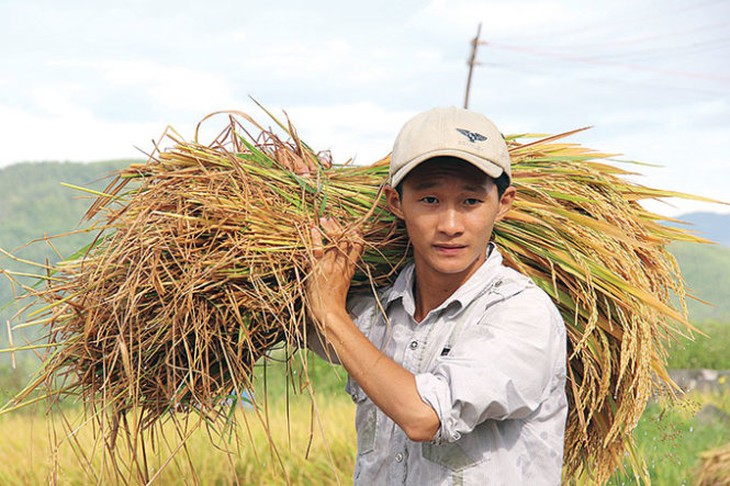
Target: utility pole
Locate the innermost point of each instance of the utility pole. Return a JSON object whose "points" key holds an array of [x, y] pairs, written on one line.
{"points": [[472, 62]]}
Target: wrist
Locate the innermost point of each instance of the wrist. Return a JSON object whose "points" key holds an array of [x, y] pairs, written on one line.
{"points": [[335, 326], [334, 318]]}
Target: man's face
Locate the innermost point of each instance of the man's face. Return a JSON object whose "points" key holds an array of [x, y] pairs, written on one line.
{"points": [[449, 208]]}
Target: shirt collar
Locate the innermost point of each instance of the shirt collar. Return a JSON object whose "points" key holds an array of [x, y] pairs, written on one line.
{"points": [[482, 280]]}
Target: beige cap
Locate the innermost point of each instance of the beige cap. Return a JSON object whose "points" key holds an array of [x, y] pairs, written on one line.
{"points": [[454, 132]]}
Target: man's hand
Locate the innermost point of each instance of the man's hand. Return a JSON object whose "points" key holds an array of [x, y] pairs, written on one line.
{"points": [[391, 387], [293, 162], [332, 269], [299, 160]]}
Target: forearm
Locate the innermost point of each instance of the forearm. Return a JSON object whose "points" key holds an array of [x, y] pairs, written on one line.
{"points": [[317, 343], [390, 386]]}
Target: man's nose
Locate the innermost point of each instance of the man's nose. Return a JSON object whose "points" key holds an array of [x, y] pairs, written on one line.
{"points": [[450, 222]]}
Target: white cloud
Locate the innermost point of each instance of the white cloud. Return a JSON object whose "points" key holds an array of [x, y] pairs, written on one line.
{"points": [[362, 131], [498, 18], [71, 135], [171, 85], [56, 100]]}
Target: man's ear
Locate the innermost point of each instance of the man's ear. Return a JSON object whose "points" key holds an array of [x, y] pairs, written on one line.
{"points": [[394, 202], [505, 202]]}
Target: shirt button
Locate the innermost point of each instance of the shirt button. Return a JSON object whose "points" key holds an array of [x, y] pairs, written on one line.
{"points": [[414, 344], [399, 457]]}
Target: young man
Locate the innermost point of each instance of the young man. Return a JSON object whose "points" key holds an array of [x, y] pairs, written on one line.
{"points": [[458, 369]]}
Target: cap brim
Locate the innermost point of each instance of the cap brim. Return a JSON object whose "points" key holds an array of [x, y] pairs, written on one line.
{"points": [[486, 166]]}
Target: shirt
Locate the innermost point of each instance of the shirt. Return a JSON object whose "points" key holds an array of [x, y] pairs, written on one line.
{"points": [[490, 361]]}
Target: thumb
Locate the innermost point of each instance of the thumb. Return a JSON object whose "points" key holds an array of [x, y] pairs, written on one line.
{"points": [[317, 242]]}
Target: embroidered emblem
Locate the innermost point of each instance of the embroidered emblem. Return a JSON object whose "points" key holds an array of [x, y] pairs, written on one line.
{"points": [[472, 136]]}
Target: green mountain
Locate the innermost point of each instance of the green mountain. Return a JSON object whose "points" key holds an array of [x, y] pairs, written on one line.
{"points": [[712, 226], [33, 205], [706, 270]]}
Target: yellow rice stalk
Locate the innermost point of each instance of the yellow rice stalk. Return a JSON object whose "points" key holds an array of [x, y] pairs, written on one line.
{"points": [[197, 271], [714, 469]]}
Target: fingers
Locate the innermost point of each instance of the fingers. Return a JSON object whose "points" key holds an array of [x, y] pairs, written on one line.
{"points": [[317, 242], [299, 167], [325, 159], [293, 162], [356, 249], [331, 228], [303, 165], [348, 243]]}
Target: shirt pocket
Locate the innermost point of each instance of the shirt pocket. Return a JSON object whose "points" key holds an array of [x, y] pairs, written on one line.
{"points": [[449, 455], [366, 418], [367, 425]]}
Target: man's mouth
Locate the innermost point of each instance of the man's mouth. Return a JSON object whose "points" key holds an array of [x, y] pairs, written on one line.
{"points": [[449, 248]]}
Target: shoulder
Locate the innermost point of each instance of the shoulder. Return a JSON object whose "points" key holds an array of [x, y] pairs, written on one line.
{"points": [[515, 297], [514, 288]]}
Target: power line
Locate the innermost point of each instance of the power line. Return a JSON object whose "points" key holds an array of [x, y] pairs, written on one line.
{"points": [[616, 24], [674, 35], [594, 60]]}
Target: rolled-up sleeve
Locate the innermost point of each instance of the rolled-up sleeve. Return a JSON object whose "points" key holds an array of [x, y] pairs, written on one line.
{"points": [[501, 368]]}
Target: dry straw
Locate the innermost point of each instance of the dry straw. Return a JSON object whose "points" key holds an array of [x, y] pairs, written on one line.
{"points": [[200, 254], [714, 469]]}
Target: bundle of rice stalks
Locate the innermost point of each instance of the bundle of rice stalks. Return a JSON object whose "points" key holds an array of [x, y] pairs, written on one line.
{"points": [[714, 469], [197, 271]]}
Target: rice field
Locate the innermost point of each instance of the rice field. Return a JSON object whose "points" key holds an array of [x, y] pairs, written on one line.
{"points": [[669, 437], [310, 449]]}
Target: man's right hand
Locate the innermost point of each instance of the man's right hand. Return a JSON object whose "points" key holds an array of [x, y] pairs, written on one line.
{"points": [[331, 269]]}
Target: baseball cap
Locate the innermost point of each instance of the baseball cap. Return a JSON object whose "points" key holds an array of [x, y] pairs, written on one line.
{"points": [[454, 132]]}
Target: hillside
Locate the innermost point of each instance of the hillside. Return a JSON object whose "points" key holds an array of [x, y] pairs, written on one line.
{"points": [[706, 269], [713, 226], [33, 203]]}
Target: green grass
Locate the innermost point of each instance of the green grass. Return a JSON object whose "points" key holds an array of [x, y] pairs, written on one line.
{"points": [[285, 412], [670, 438], [706, 351], [276, 379]]}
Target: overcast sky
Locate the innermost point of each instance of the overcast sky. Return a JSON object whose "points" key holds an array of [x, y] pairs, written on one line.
{"points": [[84, 81]]}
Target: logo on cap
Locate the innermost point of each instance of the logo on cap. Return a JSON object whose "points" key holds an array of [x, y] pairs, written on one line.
{"points": [[472, 136]]}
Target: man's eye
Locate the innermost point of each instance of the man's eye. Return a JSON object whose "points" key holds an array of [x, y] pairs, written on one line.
{"points": [[472, 201], [429, 200]]}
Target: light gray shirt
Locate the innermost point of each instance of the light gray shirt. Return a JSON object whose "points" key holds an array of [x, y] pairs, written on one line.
{"points": [[490, 361]]}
